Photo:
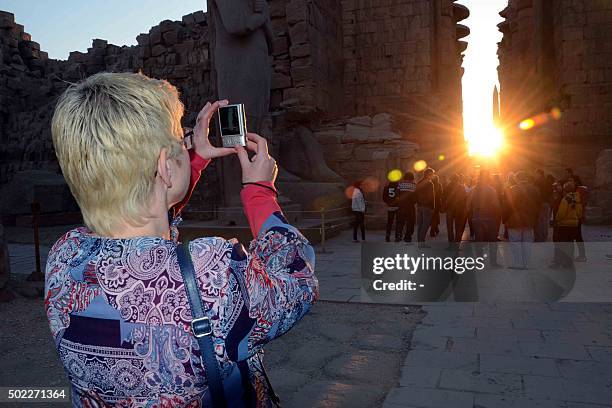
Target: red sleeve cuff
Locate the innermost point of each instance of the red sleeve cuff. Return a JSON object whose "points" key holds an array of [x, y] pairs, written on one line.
{"points": [[198, 163], [259, 203]]}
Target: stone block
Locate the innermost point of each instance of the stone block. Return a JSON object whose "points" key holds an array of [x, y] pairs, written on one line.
{"points": [[371, 152], [326, 137], [299, 33], [199, 17], [7, 20], [566, 389], [170, 37], [299, 50], [280, 81], [188, 19], [98, 43], [338, 152], [301, 74], [280, 46], [157, 50], [518, 365], [482, 382], [428, 397], [155, 35], [297, 11], [360, 121], [277, 9]]}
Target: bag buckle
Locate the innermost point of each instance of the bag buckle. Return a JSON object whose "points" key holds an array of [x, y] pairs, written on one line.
{"points": [[201, 327]]}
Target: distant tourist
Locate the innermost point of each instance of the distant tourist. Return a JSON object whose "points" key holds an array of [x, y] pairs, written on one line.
{"points": [[407, 213], [358, 205], [426, 201], [545, 187], [435, 218], [485, 209], [455, 198], [391, 198], [523, 201], [568, 214]]}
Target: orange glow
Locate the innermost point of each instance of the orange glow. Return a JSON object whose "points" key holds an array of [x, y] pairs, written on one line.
{"points": [[370, 185], [555, 113]]}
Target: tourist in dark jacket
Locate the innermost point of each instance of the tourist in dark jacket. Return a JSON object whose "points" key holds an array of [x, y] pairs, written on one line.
{"points": [[456, 209], [523, 209], [485, 210], [391, 198], [426, 201], [545, 188], [407, 214], [435, 219]]}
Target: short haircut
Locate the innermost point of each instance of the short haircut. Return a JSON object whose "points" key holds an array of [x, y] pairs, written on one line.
{"points": [[429, 171], [108, 131], [409, 176]]}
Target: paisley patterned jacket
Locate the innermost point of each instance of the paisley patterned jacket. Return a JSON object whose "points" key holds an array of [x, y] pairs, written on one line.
{"points": [[120, 318]]}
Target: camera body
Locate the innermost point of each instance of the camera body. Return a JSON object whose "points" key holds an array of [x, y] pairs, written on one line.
{"points": [[232, 125]]}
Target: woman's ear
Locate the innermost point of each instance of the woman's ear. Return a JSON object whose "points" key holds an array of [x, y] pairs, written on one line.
{"points": [[163, 168]]}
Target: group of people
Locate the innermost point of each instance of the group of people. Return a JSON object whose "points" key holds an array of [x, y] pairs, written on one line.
{"points": [[525, 204]]}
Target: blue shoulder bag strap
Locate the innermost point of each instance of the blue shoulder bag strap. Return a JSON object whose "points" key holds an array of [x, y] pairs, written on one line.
{"points": [[201, 327]]}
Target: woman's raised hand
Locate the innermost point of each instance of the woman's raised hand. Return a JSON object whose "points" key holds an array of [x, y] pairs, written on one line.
{"points": [[261, 167], [201, 143]]}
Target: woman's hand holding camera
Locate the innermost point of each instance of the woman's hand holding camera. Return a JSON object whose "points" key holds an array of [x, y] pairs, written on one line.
{"points": [[261, 167], [202, 144]]}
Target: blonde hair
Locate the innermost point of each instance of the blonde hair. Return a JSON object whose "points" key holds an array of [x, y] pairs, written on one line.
{"points": [[108, 131]]}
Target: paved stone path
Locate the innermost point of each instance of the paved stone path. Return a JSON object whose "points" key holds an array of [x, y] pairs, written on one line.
{"points": [[495, 354]]}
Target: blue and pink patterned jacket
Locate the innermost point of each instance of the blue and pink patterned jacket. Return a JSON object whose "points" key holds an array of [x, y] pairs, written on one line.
{"points": [[120, 317]]}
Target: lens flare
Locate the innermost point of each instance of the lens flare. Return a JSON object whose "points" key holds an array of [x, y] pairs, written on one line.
{"points": [[487, 141], [370, 184], [441, 157], [420, 165], [395, 175], [555, 113], [527, 124]]}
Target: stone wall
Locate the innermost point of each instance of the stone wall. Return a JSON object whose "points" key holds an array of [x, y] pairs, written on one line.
{"points": [[30, 83], [403, 57], [381, 77], [308, 66], [557, 54]]}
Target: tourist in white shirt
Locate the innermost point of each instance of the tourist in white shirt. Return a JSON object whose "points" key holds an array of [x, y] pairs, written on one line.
{"points": [[358, 205]]}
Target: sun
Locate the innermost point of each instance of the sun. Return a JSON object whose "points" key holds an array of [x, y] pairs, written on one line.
{"points": [[485, 141]]}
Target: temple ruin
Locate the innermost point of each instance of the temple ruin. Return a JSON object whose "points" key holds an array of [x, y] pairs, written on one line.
{"points": [[376, 83]]}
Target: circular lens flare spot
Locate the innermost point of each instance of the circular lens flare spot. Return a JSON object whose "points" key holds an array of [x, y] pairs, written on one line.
{"points": [[527, 124], [370, 184], [349, 192], [441, 157], [395, 175], [555, 113], [420, 165]]}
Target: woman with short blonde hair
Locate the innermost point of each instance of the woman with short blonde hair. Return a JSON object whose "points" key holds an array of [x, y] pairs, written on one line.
{"points": [[115, 297]]}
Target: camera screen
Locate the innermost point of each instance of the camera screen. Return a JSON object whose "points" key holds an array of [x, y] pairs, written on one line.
{"points": [[230, 124]]}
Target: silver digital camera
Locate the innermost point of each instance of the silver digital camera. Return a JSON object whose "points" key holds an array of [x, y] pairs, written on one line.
{"points": [[232, 124]]}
